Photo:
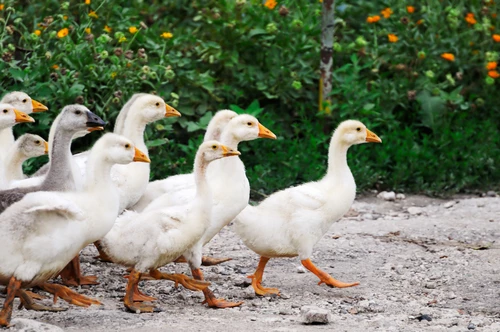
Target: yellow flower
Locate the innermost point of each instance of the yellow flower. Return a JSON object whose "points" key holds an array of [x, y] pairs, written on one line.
{"points": [[132, 29], [491, 65], [113, 75], [88, 31], [493, 74], [496, 38], [410, 9], [87, 2], [392, 38], [166, 35], [448, 56], [62, 33], [38, 32], [270, 4], [56, 67], [93, 14], [386, 12], [65, 17], [107, 29], [122, 39], [2, 6]]}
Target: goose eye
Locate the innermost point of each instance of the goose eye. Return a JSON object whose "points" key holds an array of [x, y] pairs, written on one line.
{"points": [[25, 100], [214, 147], [249, 123], [6, 111], [78, 112], [37, 142], [127, 146], [358, 129], [157, 104]]}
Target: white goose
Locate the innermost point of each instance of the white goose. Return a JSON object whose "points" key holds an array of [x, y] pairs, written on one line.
{"points": [[176, 183], [23, 103], [150, 240], [44, 231], [290, 222], [230, 192], [25, 147]]}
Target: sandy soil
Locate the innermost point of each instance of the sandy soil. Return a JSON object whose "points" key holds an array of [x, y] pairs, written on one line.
{"points": [[439, 262]]}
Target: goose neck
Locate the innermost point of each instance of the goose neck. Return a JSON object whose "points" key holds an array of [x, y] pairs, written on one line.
{"points": [[14, 163], [200, 171], [60, 155], [337, 160], [228, 139], [98, 173], [134, 128]]}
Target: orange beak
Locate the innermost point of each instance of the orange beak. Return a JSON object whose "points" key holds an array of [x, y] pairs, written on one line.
{"points": [[140, 156], [228, 152], [38, 106], [265, 133], [23, 117], [372, 137], [94, 129], [46, 147], [170, 111]]}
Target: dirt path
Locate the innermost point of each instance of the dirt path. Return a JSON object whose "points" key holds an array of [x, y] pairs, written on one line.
{"points": [[440, 261]]}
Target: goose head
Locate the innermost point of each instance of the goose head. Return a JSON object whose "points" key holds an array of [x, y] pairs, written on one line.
{"points": [[212, 150], [9, 116], [32, 146], [217, 124], [119, 150], [351, 132], [152, 108], [76, 118], [246, 128], [23, 102]]}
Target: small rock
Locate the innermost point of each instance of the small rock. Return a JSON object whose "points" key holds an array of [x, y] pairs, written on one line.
{"points": [[387, 195], [368, 216], [400, 196], [491, 193], [301, 269], [415, 211], [424, 317], [449, 204], [29, 325], [249, 293], [284, 296], [430, 285], [253, 319], [314, 315], [285, 312], [242, 282], [471, 326]]}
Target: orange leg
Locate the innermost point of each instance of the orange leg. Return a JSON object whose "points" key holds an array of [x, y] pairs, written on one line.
{"points": [[102, 254], [191, 284], [67, 295], [6, 313], [71, 274], [210, 297], [135, 307], [28, 303], [257, 279], [325, 277], [205, 260], [139, 296]]}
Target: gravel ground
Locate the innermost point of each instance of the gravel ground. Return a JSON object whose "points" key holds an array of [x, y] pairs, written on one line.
{"points": [[423, 264]]}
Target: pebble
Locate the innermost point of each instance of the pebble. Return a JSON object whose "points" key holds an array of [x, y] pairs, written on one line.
{"points": [[400, 196], [471, 326], [314, 315], [491, 193], [387, 195], [301, 269], [249, 293], [449, 204], [415, 211], [368, 216], [424, 317], [29, 325]]}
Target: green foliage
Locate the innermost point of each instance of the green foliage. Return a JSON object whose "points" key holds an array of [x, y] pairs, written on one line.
{"points": [[438, 119]]}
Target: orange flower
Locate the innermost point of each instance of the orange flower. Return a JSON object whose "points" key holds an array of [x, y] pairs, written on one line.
{"points": [[87, 2], [37, 32], [65, 17], [493, 74], [494, 15], [107, 29], [410, 9], [373, 19], [132, 30], [88, 31], [270, 4], [93, 14], [491, 65], [2, 6], [471, 43], [62, 33], [496, 38], [386, 12], [392, 38], [448, 56], [56, 67], [420, 22], [470, 19]]}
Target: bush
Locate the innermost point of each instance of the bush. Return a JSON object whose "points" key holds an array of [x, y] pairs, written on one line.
{"points": [[438, 118]]}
